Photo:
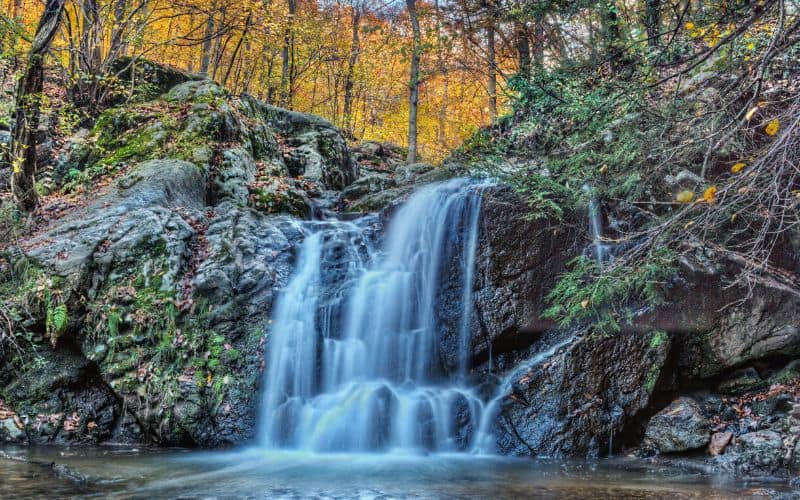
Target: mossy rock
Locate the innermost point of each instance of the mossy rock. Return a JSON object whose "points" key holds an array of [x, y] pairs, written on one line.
{"points": [[741, 382], [789, 373]]}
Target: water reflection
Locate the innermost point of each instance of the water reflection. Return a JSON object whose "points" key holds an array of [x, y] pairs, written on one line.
{"points": [[132, 474]]}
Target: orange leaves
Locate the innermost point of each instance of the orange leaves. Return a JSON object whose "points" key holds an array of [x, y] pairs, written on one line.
{"points": [[709, 195], [738, 167], [688, 196]]}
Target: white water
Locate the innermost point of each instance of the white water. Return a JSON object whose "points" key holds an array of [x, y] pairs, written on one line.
{"points": [[354, 360], [485, 440], [353, 353], [599, 248]]}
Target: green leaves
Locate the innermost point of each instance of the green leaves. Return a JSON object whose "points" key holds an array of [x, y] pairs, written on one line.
{"points": [[56, 322], [603, 296]]}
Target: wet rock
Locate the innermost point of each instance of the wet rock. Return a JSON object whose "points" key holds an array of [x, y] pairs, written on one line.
{"points": [[518, 263], [11, 431], [719, 441], [765, 326], [679, 427], [571, 404], [759, 450], [742, 381]]}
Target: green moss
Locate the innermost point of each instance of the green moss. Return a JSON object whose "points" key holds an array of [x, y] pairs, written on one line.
{"points": [[658, 339], [651, 379]]}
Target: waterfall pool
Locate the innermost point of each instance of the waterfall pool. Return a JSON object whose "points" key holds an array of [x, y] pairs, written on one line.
{"points": [[255, 473]]}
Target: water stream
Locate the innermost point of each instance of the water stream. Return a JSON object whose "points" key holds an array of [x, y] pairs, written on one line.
{"points": [[353, 360]]}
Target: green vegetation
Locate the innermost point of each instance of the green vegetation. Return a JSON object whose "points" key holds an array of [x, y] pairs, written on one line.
{"points": [[686, 146]]}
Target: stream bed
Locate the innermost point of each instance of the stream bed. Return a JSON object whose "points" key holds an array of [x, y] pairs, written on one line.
{"points": [[132, 474]]}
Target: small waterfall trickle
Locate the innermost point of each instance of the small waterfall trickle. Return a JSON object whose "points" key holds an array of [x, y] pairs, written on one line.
{"points": [[599, 249], [485, 439], [353, 358]]}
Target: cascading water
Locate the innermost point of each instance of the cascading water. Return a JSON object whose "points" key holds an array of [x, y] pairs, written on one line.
{"points": [[353, 361]]}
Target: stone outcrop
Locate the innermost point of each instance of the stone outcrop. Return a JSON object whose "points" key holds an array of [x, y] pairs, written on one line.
{"points": [[679, 427], [574, 403], [167, 276]]}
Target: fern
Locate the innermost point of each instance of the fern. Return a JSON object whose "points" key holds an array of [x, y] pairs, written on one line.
{"points": [[56, 321]]}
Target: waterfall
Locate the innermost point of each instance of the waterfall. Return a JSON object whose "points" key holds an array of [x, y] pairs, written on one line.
{"points": [[599, 248], [354, 357]]}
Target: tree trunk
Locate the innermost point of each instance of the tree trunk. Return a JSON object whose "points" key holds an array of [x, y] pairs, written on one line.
{"points": [[28, 99], [119, 46], [413, 84], [355, 49], [490, 39], [238, 47], [652, 21], [205, 58], [523, 49], [441, 130], [90, 39], [612, 34], [286, 70], [539, 38]]}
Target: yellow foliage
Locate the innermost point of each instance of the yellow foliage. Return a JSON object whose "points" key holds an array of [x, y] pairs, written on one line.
{"points": [[738, 167], [685, 196], [689, 25], [772, 127], [709, 195]]}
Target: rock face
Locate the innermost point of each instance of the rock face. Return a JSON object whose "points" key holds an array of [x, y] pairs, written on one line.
{"points": [[518, 262], [679, 427], [167, 277], [573, 403]]}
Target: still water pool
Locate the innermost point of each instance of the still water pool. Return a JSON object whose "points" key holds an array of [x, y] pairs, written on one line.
{"points": [[133, 474]]}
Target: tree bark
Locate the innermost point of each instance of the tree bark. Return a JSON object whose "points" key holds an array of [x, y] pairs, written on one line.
{"points": [[523, 48], [28, 99], [286, 69], [492, 86], [205, 57], [652, 21], [355, 50], [413, 84]]}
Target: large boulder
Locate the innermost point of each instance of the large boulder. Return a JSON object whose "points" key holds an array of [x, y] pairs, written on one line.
{"points": [[759, 451], [575, 402], [679, 427]]}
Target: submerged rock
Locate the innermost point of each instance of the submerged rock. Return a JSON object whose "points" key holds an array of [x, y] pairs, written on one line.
{"points": [[679, 427]]}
